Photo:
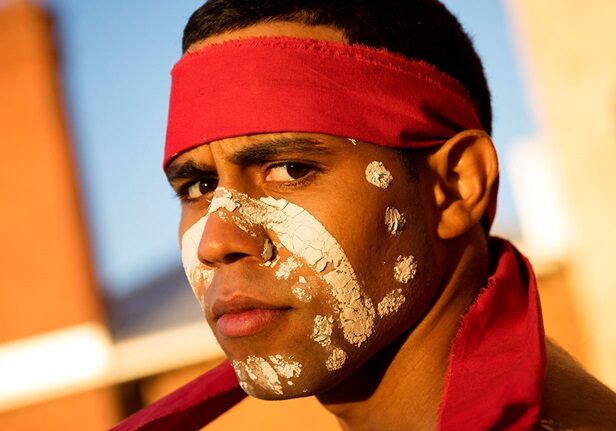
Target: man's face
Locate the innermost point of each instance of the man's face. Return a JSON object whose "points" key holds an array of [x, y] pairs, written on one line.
{"points": [[309, 254]]}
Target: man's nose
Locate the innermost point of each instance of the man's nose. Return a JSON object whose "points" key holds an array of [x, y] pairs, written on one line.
{"points": [[224, 242]]}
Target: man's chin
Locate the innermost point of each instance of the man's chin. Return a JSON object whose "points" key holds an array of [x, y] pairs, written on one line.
{"points": [[305, 386], [288, 393]]}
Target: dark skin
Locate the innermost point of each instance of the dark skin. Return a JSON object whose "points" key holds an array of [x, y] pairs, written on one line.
{"points": [[400, 370]]}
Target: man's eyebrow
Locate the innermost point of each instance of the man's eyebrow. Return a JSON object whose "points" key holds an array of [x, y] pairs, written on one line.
{"points": [[187, 169], [253, 153], [278, 148]]}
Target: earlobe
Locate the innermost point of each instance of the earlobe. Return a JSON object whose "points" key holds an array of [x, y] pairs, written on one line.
{"points": [[465, 169]]}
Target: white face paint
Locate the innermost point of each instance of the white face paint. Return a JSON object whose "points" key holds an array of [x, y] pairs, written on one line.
{"points": [[287, 268], [378, 176], [322, 330], [311, 246], [199, 276], [394, 221], [301, 290], [391, 303], [336, 359], [322, 334], [285, 368], [267, 373], [405, 269], [305, 238]]}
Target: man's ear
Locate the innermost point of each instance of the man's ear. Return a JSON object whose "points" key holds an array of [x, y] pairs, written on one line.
{"points": [[466, 170]]}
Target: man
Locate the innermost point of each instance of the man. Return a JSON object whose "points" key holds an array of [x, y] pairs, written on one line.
{"points": [[337, 182]]}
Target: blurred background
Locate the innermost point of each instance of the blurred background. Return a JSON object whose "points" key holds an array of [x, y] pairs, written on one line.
{"points": [[97, 319]]}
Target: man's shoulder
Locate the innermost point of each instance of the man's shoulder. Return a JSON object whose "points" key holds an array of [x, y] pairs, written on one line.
{"points": [[572, 398]]}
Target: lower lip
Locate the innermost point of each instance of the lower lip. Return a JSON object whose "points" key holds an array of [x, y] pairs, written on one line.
{"points": [[246, 323]]}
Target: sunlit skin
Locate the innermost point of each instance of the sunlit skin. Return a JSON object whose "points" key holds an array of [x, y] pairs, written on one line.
{"points": [[331, 185], [394, 380], [399, 371]]}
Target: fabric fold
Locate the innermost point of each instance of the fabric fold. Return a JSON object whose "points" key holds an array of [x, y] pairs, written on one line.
{"points": [[192, 406]]}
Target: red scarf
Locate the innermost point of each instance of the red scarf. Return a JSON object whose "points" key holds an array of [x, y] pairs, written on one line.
{"points": [[494, 380]]}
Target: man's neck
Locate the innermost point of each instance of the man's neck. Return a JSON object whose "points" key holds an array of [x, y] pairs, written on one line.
{"points": [[401, 388]]}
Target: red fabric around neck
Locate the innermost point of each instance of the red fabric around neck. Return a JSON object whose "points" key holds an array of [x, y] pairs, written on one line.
{"points": [[495, 376], [498, 360], [192, 406]]}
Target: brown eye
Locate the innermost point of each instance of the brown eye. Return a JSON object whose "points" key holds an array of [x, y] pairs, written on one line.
{"points": [[201, 187], [297, 171], [287, 172]]}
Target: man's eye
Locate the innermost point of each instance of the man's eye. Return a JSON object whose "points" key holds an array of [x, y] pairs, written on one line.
{"points": [[287, 172], [201, 187]]}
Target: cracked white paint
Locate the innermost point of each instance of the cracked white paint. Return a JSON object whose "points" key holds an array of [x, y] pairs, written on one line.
{"points": [[222, 200], [292, 228], [405, 269], [391, 303], [322, 330], [394, 221], [261, 373], [199, 275], [302, 235], [301, 290], [336, 359], [378, 175], [266, 374], [287, 267], [285, 368]]}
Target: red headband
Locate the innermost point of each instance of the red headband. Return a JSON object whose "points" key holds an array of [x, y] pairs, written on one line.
{"points": [[267, 85]]}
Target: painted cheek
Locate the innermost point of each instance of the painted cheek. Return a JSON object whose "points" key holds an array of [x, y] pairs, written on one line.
{"points": [[306, 239], [405, 269], [322, 335], [394, 220], [302, 290], [199, 276], [391, 303], [304, 242], [378, 175]]}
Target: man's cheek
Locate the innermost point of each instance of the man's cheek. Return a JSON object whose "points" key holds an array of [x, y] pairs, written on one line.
{"points": [[199, 276]]}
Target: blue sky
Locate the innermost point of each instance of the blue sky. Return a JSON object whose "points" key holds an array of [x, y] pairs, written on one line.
{"points": [[116, 57]]}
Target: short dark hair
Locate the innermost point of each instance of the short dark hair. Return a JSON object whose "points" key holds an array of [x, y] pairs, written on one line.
{"points": [[418, 29]]}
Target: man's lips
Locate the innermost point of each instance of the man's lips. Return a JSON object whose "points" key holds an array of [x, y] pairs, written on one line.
{"points": [[248, 322], [242, 316]]}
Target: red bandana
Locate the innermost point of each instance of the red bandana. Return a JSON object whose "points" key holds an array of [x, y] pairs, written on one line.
{"points": [[495, 376], [267, 85]]}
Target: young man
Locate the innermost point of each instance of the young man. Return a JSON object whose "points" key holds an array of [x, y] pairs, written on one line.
{"points": [[337, 182]]}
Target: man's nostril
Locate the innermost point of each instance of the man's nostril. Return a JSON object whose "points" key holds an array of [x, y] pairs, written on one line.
{"points": [[233, 257]]}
